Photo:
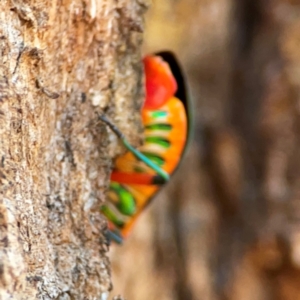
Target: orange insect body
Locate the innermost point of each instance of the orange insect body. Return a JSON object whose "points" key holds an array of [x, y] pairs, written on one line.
{"points": [[166, 125]]}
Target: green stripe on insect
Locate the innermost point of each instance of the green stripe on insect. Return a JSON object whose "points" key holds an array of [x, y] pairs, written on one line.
{"points": [[158, 141], [158, 160], [110, 215], [126, 203], [159, 126]]}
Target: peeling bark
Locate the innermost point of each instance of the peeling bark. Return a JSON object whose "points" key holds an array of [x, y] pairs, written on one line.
{"points": [[60, 63]]}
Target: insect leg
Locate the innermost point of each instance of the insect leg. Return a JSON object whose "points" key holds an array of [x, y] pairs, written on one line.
{"points": [[164, 176]]}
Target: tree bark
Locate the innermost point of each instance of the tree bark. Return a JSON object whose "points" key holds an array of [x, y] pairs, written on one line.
{"points": [[228, 227], [62, 61]]}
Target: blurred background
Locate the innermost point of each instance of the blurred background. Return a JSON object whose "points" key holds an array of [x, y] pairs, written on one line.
{"points": [[228, 225]]}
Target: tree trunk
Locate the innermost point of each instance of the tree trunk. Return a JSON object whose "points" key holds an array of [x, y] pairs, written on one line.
{"points": [[62, 61]]}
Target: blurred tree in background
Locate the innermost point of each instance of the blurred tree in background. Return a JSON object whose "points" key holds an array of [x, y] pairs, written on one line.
{"points": [[227, 227]]}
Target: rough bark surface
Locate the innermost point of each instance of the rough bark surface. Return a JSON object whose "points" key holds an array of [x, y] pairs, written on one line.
{"points": [[60, 62], [228, 227]]}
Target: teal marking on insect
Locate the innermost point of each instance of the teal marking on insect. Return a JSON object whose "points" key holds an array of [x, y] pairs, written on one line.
{"points": [[158, 160], [159, 114], [146, 160], [163, 174], [112, 235]]}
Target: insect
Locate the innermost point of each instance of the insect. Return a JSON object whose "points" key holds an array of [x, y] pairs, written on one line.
{"points": [[140, 173]]}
